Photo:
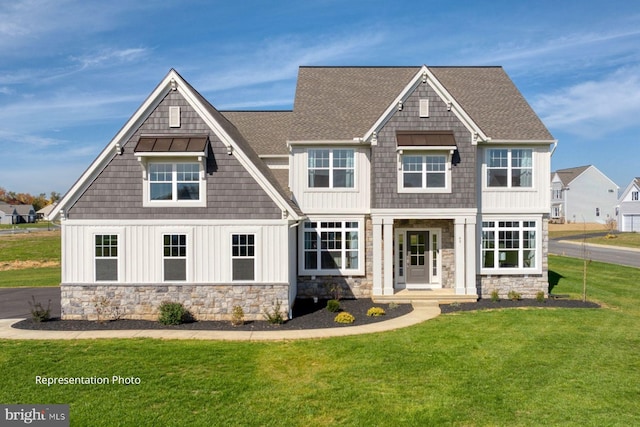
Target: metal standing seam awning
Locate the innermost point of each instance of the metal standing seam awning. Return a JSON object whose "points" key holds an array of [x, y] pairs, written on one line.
{"points": [[429, 140], [195, 145]]}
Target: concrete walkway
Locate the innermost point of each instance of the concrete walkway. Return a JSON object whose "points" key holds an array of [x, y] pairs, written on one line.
{"points": [[421, 312]]}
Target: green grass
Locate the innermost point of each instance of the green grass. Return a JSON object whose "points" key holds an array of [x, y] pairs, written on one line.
{"points": [[41, 246], [39, 224], [511, 367], [629, 240], [31, 249], [31, 277]]}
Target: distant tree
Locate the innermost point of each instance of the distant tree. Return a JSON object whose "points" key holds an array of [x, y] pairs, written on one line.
{"points": [[54, 197], [40, 202]]}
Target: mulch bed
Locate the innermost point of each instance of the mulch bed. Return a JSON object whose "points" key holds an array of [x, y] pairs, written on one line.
{"points": [[487, 304], [306, 315]]}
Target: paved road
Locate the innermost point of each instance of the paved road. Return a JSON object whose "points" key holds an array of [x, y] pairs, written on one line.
{"points": [[612, 255], [14, 302]]}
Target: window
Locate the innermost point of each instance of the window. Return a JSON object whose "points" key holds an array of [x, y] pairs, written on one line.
{"points": [[174, 182], [175, 257], [243, 256], [424, 171], [331, 168], [597, 211], [634, 195], [557, 194], [510, 167], [331, 245], [509, 244], [106, 257]]}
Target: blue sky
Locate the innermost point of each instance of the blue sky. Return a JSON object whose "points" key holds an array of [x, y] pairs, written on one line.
{"points": [[73, 71]]}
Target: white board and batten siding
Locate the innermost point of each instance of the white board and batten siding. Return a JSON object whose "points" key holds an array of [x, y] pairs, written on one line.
{"points": [[328, 200], [209, 260], [518, 200]]}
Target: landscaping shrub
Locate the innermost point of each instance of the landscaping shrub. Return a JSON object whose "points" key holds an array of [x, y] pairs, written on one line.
{"points": [[275, 316], [173, 313], [333, 305], [344, 317], [540, 296], [514, 296], [237, 316], [495, 296], [38, 312], [376, 311]]}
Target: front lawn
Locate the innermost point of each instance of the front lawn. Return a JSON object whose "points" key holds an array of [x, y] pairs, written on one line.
{"points": [[629, 240], [30, 259], [510, 367]]}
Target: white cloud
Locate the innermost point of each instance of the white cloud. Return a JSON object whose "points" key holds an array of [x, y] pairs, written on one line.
{"points": [[594, 108], [111, 57]]}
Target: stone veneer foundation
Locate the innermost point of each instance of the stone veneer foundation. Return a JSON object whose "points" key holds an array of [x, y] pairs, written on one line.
{"points": [[204, 302]]}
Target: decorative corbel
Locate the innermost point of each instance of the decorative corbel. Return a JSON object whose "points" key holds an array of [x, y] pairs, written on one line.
{"points": [[424, 77], [174, 84], [374, 138], [400, 106]]}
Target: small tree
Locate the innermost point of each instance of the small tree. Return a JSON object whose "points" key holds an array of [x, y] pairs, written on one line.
{"points": [[586, 260]]}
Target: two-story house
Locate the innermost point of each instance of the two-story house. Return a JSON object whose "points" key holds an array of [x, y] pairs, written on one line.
{"points": [[628, 208], [582, 194], [382, 181]]}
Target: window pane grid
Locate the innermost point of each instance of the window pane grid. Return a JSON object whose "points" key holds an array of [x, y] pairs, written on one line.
{"points": [[509, 244], [510, 167], [331, 245], [424, 171], [174, 181], [331, 168]]}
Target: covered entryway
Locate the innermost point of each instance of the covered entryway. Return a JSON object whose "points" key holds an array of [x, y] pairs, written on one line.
{"points": [[418, 259]]}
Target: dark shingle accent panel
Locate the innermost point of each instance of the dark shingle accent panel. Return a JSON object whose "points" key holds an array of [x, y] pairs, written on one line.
{"points": [[232, 193], [384, 176]]}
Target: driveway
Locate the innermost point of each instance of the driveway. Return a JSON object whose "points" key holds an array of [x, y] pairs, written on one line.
{"points": [[14, 302]]}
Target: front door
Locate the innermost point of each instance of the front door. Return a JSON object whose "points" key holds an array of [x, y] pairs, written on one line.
{"points": [[417, 259]]}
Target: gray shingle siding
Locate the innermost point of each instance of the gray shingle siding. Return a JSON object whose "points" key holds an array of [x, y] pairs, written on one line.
{"points": [[384, 179], [232, 193]]}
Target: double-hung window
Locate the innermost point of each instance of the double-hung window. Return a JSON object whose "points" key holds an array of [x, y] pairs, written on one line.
{"points": [[106, 257], [427, 172], [331, 246], [634, 196], [174, 257], [510, 167], [509, 245], [331, 168], [243, 256], [174, 182]]}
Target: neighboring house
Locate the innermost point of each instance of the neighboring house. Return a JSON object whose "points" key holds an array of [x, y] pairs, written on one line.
{"points": [[25, 214], [45, 211], [7, 213], [382, 182], [629, 207], [582, 194], [16, 214]]}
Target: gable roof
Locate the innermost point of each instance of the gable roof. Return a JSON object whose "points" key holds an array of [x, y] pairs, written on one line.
{"points": [[569, 174], [342, 103], [267, 131], [635, 183], [225, 130]]}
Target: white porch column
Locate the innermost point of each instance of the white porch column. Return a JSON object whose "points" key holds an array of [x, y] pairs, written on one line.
{"points": [[388, 256], [459, 249], [377, 255], [470, 256]]}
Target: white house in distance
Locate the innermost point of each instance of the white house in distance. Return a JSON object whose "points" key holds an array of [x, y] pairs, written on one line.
{"points": [[582, 194], [629, 207], [385, 181]]}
